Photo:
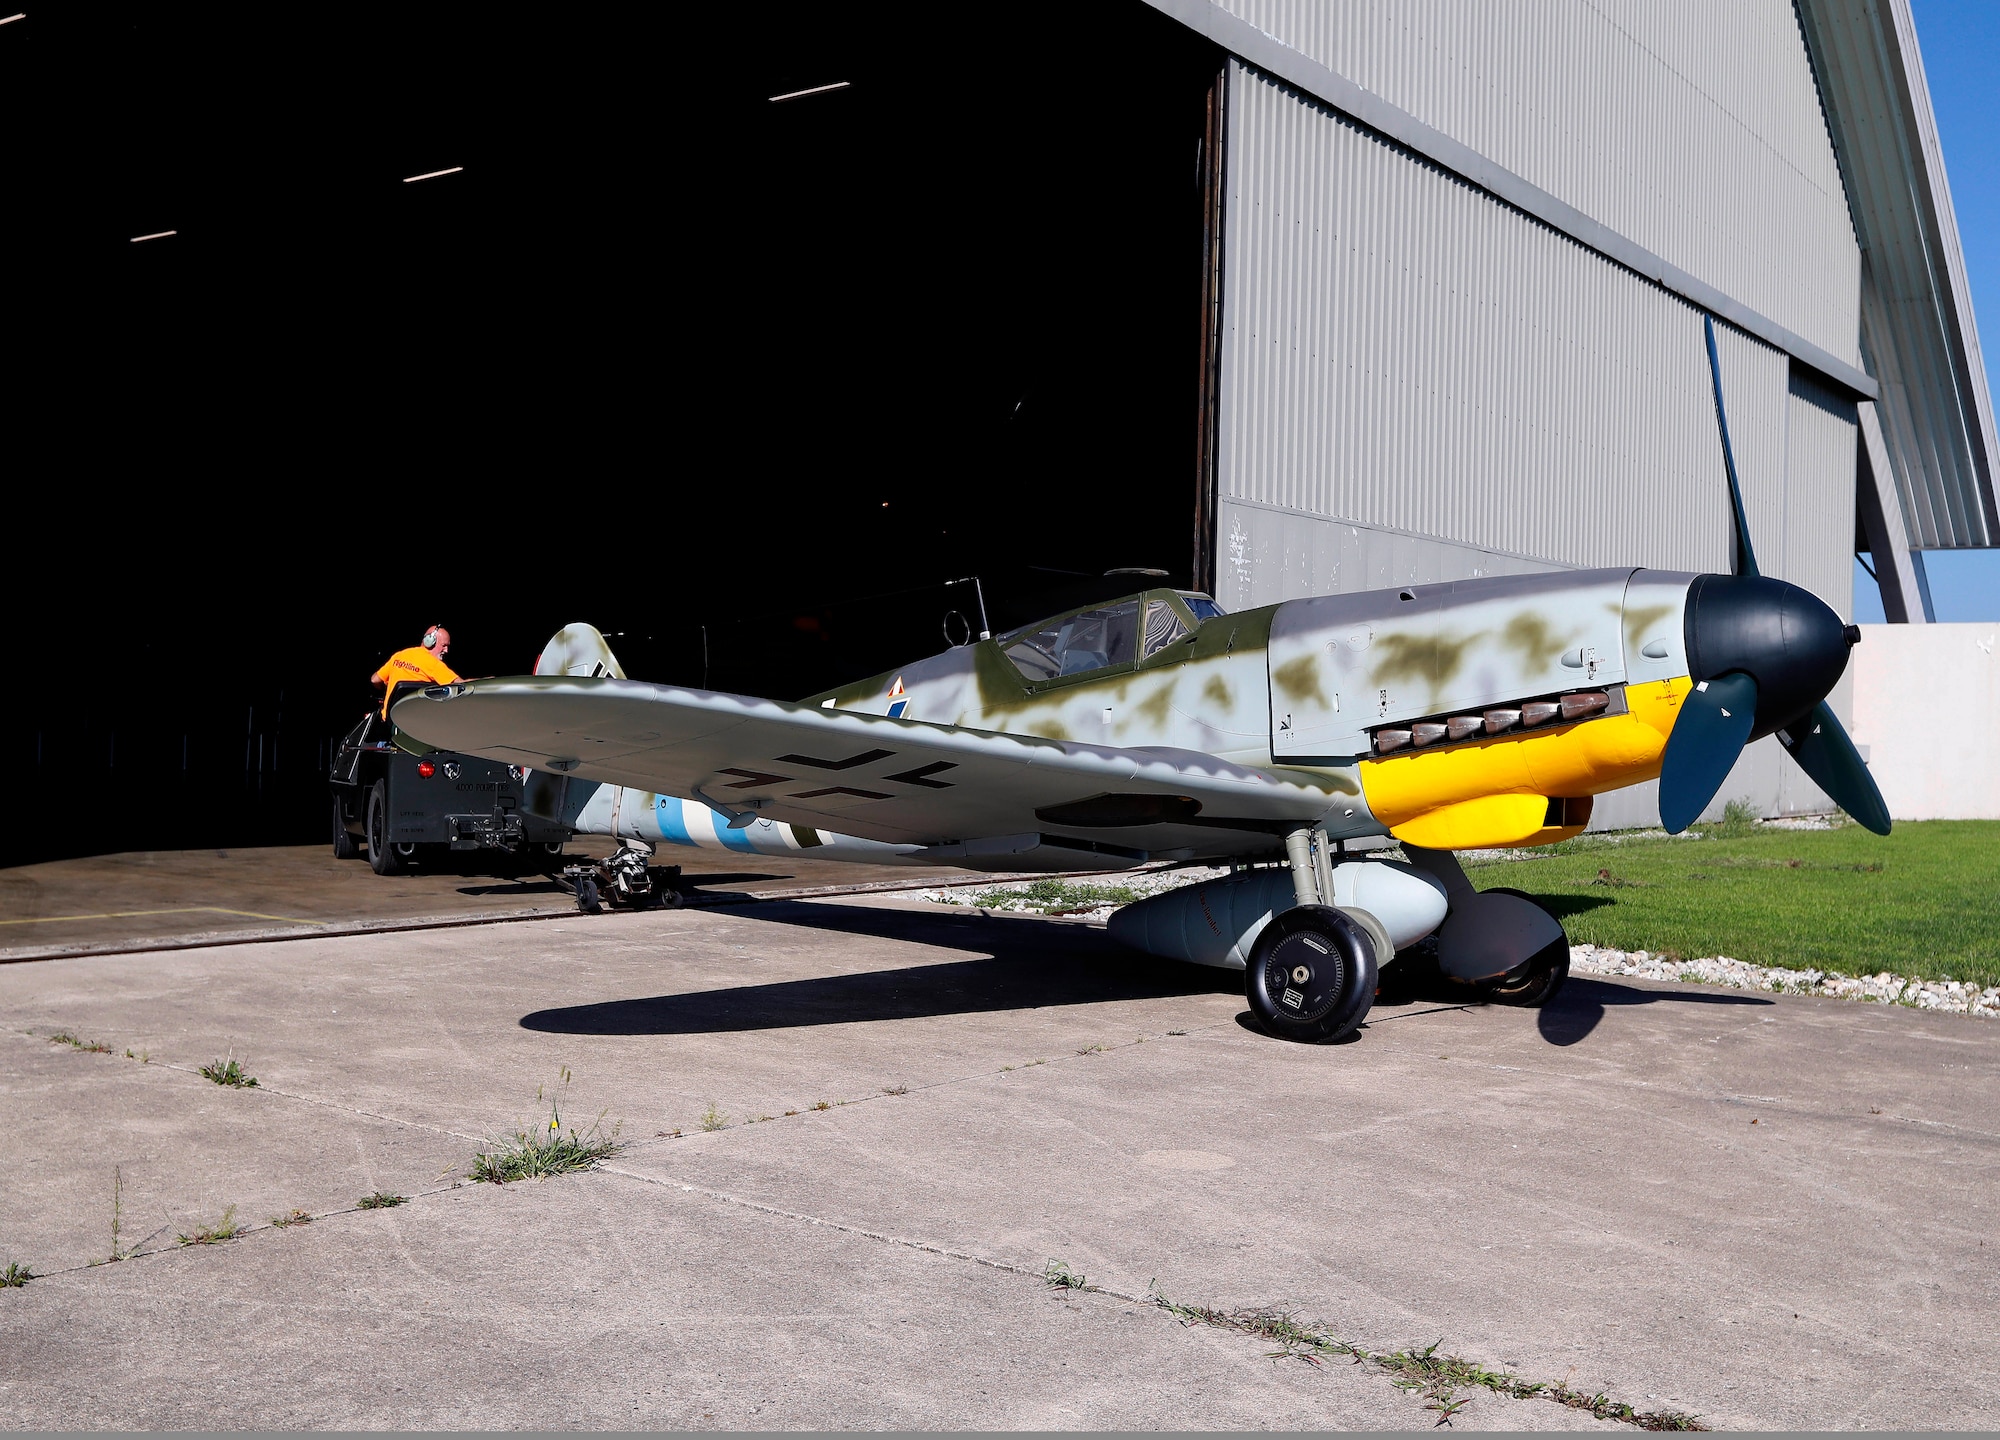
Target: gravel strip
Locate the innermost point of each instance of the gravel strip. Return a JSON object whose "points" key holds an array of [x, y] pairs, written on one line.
{"points": [[1954, 996]]}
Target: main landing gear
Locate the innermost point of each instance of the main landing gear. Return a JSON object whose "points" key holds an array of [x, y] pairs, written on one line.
{"points": [[1499, 944], [1312, 974], [1313, 970]]}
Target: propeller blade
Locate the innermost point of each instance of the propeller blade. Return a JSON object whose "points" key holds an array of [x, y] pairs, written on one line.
{"points": [[1746, 558], [1708, 735], [1825, 753]]}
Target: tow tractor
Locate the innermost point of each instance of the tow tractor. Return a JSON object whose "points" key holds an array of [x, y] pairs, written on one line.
{"points": [[407, 803]]}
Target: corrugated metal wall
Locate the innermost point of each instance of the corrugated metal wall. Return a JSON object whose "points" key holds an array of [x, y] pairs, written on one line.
{"points": [[1403, 354], [1693, 128], [1419, 383]]}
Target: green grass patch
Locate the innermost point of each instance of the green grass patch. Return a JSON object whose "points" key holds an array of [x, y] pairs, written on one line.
{"points": [[540, 1149], [1917, 902], [381, 1200], [224, 1229], [1057, 895], [89, 1047], [228, 1072]]}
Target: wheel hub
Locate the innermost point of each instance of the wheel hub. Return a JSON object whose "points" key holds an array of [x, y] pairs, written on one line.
{"points": [[1305, 976]]}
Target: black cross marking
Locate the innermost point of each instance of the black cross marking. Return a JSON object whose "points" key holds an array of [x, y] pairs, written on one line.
{"points": [[848, 764], [916, 776], [753, 777], [840, 790]]}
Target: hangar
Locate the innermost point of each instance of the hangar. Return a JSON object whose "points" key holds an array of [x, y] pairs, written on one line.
{"points": [[747, 343]]}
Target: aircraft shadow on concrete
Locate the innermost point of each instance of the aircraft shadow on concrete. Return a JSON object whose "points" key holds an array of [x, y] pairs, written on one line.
{"points": [[1580, 1006], [1025, 967]]}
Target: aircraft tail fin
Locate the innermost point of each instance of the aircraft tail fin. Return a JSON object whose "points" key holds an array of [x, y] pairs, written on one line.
{"points": [[578, 649]]}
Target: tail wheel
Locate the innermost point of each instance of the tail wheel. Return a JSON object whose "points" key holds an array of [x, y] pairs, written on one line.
{"points": [[587, 898], [345, 846], [1312, 974], [383, 856], [1534, 983]]}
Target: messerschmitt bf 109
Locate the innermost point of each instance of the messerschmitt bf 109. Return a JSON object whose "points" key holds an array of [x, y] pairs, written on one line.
{"points": [[1473, 713]]}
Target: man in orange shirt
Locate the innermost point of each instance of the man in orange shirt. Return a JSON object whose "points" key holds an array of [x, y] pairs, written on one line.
{"points": [[419, 665]]}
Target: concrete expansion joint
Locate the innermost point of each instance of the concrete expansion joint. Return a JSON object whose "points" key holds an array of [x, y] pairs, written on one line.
{"points": [[1419, 1372], [264, 1089]]}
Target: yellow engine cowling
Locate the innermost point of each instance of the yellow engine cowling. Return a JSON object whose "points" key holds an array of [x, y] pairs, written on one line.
{"points": [[1498, 792]]}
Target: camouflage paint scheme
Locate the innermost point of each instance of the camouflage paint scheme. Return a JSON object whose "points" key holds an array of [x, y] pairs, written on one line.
{"points": [[1251, 724]]}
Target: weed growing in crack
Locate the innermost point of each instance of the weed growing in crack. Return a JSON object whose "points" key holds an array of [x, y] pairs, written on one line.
{"points": [[1059, 1276], [895, 1089], [821, 1105], [381, 1200], [539, 1150], [228, 1072], [88, 1047], [285, 1222], [713, 1119], [15, 1276], [1438, 1378], [118, 1251], [224, 1229]]}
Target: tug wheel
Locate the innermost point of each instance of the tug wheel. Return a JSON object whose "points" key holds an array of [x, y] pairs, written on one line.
{"points": [[383, 857], [587, 898], [1312, 974], [345, 846]]}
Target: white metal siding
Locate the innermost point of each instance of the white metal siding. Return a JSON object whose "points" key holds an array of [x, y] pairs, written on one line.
{"points": [[1692, 128], [1402, 353], [1419, 383]]}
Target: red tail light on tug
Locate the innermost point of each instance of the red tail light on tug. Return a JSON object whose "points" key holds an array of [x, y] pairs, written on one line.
{"points": [[426, 769]]}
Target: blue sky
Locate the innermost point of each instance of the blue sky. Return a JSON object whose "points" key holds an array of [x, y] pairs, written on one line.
{"points": [[1960, 40]]}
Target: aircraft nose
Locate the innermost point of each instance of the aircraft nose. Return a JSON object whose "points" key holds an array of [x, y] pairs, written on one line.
{"points": [[1783, 637]]}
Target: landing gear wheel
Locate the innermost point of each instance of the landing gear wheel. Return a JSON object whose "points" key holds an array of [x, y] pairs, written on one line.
{"points": [[383, 857], [1536, 982], [345, 846], [1312, 974], [587, 899]]}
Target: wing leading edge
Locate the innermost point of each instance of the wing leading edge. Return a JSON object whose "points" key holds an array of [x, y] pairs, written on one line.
{"points": [[906, 781]]}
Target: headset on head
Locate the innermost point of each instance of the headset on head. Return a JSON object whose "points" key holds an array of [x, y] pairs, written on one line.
{"points": [[431, 637]]}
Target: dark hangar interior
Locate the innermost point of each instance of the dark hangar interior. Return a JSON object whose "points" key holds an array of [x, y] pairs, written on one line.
{"points": [[741, 381]]}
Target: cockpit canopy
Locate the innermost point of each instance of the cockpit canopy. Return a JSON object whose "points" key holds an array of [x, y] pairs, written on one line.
{"points": [[1120, 633]]}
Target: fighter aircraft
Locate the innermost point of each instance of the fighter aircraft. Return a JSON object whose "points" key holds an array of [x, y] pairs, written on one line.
{"points": [[1472, 713]]}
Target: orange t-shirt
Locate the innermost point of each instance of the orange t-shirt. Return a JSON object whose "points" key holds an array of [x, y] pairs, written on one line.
{"points": [[415, 665]]}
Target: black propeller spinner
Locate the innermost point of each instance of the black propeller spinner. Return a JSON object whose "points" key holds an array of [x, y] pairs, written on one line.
{"points": [[1763, 655]]}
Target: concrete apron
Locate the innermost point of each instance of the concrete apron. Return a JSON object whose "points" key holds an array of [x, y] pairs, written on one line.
{"points": [[1581, 1195]]}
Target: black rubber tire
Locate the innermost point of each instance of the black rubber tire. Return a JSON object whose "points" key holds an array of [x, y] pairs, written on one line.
{"points": [[345, 846], [1322, 963], [382, 856], [1534, 984], [587, 898]]}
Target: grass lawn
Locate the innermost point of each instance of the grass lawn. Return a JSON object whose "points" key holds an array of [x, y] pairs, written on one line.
{"points": [[1923, 902]]}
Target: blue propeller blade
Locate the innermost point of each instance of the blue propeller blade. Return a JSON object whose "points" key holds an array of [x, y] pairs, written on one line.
{"points": [[1746, 558], [1707, 737], [1825, 753]]}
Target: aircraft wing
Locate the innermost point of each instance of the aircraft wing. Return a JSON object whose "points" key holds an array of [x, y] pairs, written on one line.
{"points": [[896, 780]]}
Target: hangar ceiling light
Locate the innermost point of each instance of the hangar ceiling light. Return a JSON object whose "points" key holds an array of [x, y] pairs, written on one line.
{"points": [[9, 20], [156, 235], [816, 90], [432, 174]]}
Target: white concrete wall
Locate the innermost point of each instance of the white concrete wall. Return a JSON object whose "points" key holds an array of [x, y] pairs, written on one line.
{"points": [[1927, 718]]}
